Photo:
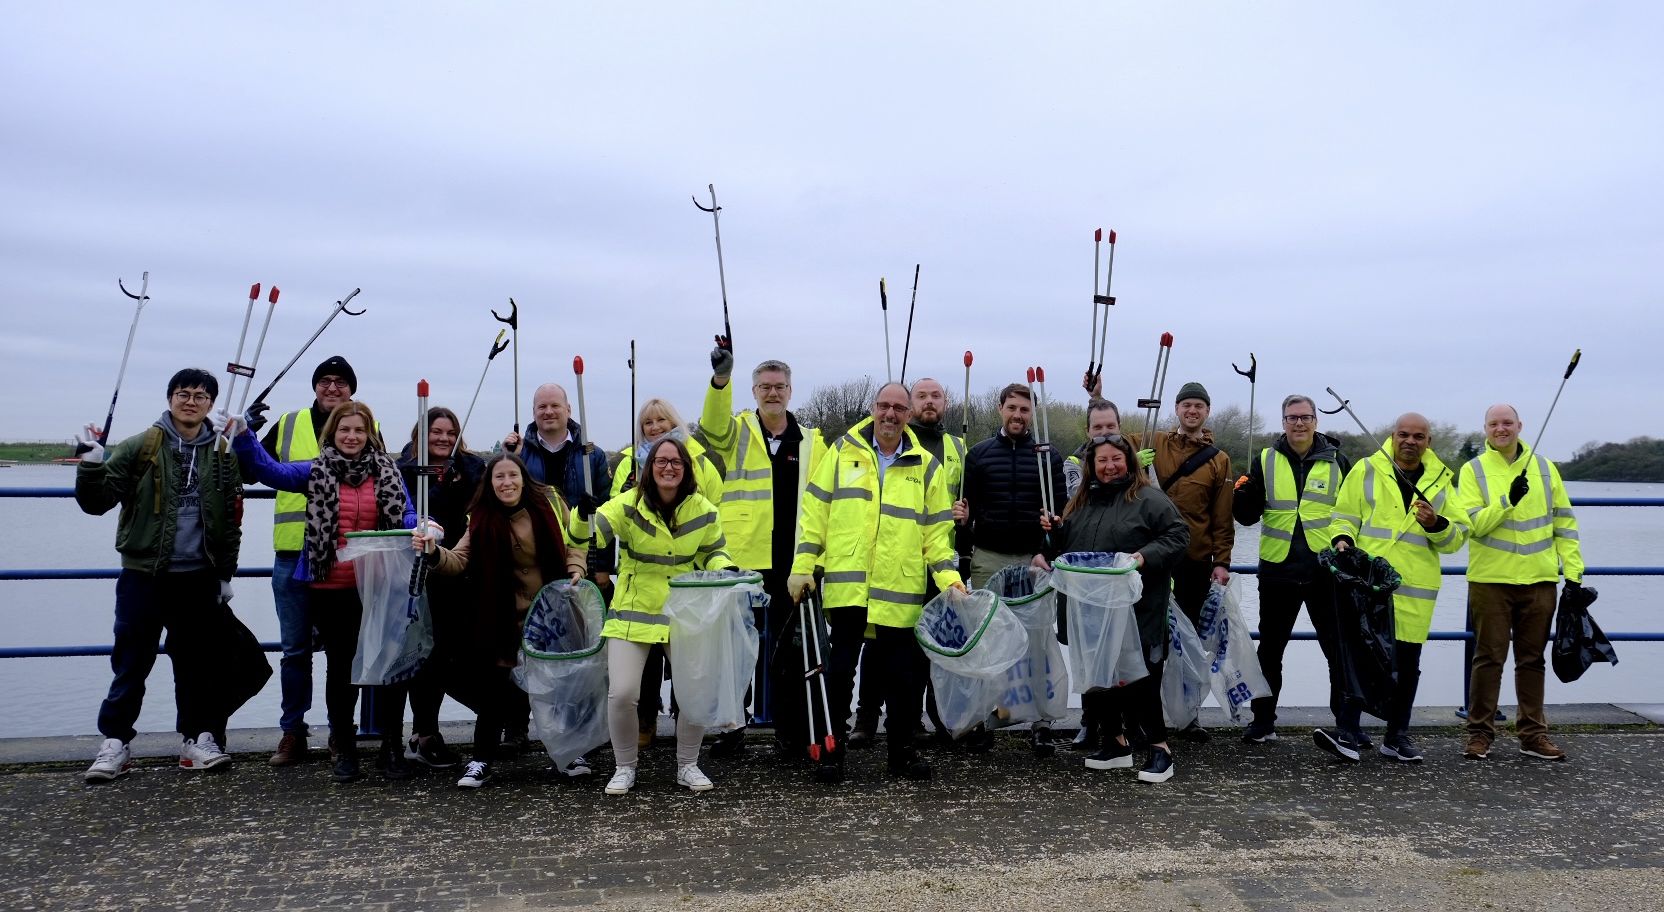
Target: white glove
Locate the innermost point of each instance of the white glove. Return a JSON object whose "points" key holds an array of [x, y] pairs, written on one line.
{"points": [[430, 533], [88, 447], [225, 592]]}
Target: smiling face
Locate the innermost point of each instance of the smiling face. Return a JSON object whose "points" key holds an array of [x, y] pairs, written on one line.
{"points": [[550, 410], [1193, 413], [654, 424], [1015, 413], [890, 410], [352, 434], [332, 390], [930, 401], [189, 407], [1103, 422], [1109, 463], [442, 436], [507, 483], [1502, 427], [773, 391], [1300, 424], [1411, 437], [668, 468]]}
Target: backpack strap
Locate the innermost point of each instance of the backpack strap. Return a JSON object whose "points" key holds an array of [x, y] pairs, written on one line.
{"points": [[1197, 460]]}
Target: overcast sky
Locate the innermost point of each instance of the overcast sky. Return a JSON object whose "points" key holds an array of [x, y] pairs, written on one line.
{"points": [[1427, 206]]}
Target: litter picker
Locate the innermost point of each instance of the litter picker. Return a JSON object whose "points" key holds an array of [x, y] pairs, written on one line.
{"points": [[965, 408], [1252, 374], [1158, 388], [1100, 337], [884, 305], [583, 447], [1346, 406], [497, 346], [907, 343], [418, 570], [1042, 448], [813, 636], [513, 321], [726, 340], [237, 368], [635, 419], [1576, 356], [340, 308], [141, 297]]}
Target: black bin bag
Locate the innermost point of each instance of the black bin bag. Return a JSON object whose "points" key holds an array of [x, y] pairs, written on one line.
{"points": [[1578, 640], [1364, 619]]}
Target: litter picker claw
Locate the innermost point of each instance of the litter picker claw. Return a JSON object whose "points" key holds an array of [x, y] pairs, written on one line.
{"points": [[340, 308], [141, 297]]}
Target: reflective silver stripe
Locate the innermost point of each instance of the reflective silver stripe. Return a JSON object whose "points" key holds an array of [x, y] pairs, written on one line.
{"points": [[944, 566], [1417, 592], [1526, 525], [638, 617], [1369, 485], [1326, 499], [852, 494], [1439, 499], [899, 512], [1563, 513], [930, 473], [695, 524], [846, 576], [1316, 523], [734, 471], [1345, 517], [810, 548], [1281, 504], [1474, 511], [1484, 483], [641, 521], [752, 474], [1566, 533], [1409, 538], [1279, 534], [943, 516], [278, 518], [1536, 547], [818, 493], [731, 495], [663, 560], [900, 598], [718, 545], [1269, 470], [603, 524]]}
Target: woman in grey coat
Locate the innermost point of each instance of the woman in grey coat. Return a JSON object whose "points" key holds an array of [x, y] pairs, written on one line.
{"points": [[1117, 509]]}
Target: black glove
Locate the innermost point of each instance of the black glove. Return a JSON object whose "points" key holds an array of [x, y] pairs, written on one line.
{"points": [[722, 360], [1518, 490], [587, 505], [1573, 585], [255, 416]]}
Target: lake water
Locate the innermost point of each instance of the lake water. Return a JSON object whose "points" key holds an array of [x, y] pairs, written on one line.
{"points": [[60, 696]]}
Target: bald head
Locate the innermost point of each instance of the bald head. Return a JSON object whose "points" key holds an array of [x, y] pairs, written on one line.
{"points": [[891, 406], [1411, 436], [551, 411], [1502, 429]]}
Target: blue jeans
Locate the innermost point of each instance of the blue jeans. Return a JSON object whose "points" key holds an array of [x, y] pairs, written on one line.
{"points": [[146, 605], [296, 631]]}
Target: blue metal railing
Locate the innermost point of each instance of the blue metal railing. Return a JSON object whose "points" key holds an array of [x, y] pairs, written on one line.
{"points": [[26, 652]]}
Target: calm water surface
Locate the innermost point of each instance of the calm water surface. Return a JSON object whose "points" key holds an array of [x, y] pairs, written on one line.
{"points": [[61, 696]]}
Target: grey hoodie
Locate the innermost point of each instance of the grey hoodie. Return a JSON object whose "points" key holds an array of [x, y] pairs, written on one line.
{"points": [[189, 548]]}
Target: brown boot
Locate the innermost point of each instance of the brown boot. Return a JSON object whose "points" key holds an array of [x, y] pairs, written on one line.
{"points": [[291, 749], [1479, 747], [645, 732], [1541, 747]]}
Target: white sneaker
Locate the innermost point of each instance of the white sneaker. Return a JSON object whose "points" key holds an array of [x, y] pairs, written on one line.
{"points": [[477, 774], [114, 759], [622, 781], [691, 777], [578, 767], [202, 753]]}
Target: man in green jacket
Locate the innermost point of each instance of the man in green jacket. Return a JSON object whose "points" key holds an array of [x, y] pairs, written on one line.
{"points": [[178, 536]]}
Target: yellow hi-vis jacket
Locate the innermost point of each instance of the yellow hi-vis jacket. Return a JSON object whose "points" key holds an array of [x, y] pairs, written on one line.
{"points": [[735, 444], [875, 538], [649, 556], [1533, 541], [1371, 512], [1312, 505], [297, 440]]}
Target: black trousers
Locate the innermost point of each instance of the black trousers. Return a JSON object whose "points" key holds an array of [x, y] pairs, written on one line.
{"points": [[1134, 707], [183, 604], [897, 662], [1407, 664], [338, 614], [1280, 603], [1192, 580], [780, 665]]}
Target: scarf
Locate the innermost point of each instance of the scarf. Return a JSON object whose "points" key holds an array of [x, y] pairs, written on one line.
{"points": [[323, 501], [638, 465]]}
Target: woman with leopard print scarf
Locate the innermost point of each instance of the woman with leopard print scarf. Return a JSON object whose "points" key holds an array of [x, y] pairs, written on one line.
{"points": [[352, 486]]}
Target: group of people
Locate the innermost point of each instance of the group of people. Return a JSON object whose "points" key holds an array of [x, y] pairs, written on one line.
{"points": [[875, 522]]}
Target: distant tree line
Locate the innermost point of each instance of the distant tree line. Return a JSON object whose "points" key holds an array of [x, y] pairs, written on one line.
{"points": [[1640, 459]]}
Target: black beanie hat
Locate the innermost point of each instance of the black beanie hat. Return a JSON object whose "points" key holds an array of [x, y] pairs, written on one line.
{"points": [[1192, 390], [337, 365]]}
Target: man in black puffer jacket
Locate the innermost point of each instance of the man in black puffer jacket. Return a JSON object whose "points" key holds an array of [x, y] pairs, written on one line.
{"points": [[1000, 507]]}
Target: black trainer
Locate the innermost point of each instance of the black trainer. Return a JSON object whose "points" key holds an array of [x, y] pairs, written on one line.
{"points": [[1361, 740], [390, 760], [1159, 768], [979, 740], [728, 745], [346, 766], [1340, 745], [431, 750], [910, 766], [1259, 733], [1194, 732], [1114, 755], [1085, 740], [1401, 749], [861, 737]]}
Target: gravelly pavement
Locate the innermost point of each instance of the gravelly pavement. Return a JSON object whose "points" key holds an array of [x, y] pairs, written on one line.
{"points": [[1274, 827]]}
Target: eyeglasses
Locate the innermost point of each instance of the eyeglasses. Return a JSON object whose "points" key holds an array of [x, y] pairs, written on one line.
{"points": [[774, 387], [332, 383], [188, 396], [1299, 419], [665, 462]]}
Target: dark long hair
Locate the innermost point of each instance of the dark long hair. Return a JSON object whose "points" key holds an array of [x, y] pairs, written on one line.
{"points": [[491, 538], [1089, 476], [434, 413], [647, 492]]}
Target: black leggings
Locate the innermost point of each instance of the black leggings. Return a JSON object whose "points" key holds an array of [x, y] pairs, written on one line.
{"points": [[337, 614], [1134, 707]]}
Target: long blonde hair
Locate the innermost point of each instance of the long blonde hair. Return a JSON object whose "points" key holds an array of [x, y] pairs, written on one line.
{"points": [[326, 437]]}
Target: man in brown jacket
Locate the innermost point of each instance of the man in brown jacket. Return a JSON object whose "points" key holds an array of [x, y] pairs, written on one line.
{"points": [[1197, 477]]}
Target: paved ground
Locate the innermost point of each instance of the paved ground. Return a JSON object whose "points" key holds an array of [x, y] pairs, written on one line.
{"points": [[1274, 827]]}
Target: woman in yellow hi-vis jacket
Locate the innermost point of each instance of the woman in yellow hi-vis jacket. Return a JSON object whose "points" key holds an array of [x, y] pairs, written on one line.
{"points": [[664, 528]]}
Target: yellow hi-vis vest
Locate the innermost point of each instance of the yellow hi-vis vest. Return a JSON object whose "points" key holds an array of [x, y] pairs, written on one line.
{"points": [[878, 540], [1532, 541], [735, 444], [1285, 503], [1371, 512], [297, 439], [649, 556]]}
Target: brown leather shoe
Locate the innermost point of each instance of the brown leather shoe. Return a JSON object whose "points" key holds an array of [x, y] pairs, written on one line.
{"points": [[1541, 748], [1479, 747], [645, 733], [291, 749]]}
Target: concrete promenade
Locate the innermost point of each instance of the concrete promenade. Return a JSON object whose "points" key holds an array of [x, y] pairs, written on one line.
{"points": [[1279, 826]]}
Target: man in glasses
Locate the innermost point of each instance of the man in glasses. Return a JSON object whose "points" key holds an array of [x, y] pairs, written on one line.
{"points": [[1290, 490], [766, 457], [178, 535], [295, 437]]}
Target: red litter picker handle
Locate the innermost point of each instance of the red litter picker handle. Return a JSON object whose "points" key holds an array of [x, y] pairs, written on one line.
{"points": [[967, 358], [271, 298], [1166, 340], [254, 291], [578, 364]]}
